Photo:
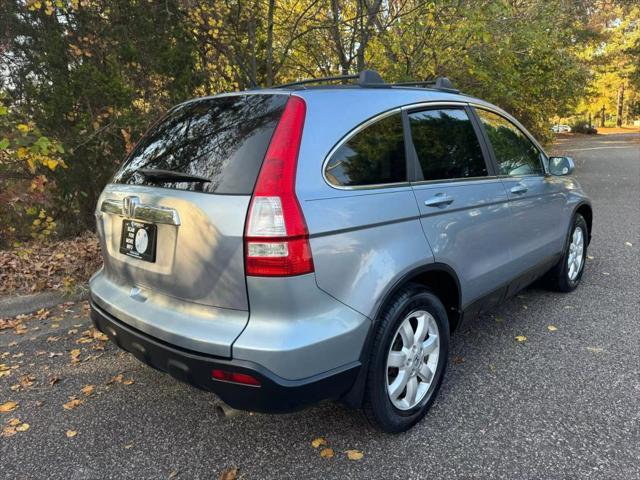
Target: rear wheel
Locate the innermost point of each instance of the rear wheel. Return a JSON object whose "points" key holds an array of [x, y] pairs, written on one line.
{"points": [[566, 275], [408, 359]]}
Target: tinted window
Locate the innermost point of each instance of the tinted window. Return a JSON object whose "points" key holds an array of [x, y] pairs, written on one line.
{"points": [[223, 139], [373, 156], [446, 144], [515, 153]]}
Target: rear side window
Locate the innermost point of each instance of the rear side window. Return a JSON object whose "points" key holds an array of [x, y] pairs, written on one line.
{"points": [[515, 153], [373, 156], [446, 144], [221, 139]]}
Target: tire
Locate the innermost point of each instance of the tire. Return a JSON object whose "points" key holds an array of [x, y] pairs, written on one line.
{"points": [[400, 414], [561, 278]]}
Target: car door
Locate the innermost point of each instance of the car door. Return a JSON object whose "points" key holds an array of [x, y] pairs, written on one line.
{"points": [[463, 204], [537, 231]]}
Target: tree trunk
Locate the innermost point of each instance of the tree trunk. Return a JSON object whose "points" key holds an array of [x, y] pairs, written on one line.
{"points": [[269, 66], [620, 104], [602, 117]]}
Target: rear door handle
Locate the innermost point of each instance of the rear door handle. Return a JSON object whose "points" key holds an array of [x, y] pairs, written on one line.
{"points": [[519, 189], [439, 200]]}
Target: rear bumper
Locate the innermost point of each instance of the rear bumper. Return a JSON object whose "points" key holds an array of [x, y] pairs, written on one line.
{"points": [[274, 395]]}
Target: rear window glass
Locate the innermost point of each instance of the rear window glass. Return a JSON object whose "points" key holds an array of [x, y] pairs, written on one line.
{"points": [[223, 140], [373, 156]]}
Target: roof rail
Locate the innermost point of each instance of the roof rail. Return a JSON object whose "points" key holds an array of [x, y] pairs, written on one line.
{"points": [[372, 79], [440, 83], [366, 78]]}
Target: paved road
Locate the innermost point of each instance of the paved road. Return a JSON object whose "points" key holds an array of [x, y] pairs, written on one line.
{"points": [[564, 404]]}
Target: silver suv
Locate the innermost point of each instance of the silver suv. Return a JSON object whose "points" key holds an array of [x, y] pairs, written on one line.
{"points": [[283, 246]]}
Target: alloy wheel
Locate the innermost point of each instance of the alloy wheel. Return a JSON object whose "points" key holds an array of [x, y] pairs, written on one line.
{"points": [[412, 360]]}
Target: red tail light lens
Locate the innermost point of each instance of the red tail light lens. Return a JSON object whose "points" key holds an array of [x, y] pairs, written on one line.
{"points": [[276, 236], [235, 377]]}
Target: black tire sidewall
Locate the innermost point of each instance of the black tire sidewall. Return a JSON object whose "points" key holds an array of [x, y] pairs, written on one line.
{"points": [[578, 221], [386, 415]]}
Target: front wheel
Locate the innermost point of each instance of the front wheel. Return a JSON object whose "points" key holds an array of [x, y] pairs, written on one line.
{"points": [[408, 359], [566, 275]]}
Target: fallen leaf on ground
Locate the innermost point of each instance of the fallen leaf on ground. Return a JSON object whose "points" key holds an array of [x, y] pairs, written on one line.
{"points": [[317, 442], [521, 338], [552, 328], [326, 453], [589, 257], [75, 355], [98, 335], [71, 433], [354, 454], [499, 319], [229, 474], [8, 407], [458, 360], [71, 404], [14, 426], [172, 474], [88, 389], [116, 378], [53, 380], [595, 349], [8, 431], [628, 244], [128, 381]]}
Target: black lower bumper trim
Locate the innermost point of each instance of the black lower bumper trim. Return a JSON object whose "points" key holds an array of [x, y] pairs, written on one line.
{"points": [[274, 395]]}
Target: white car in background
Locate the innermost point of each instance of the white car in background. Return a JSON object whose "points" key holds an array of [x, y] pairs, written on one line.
{"points": [[561, 128]]}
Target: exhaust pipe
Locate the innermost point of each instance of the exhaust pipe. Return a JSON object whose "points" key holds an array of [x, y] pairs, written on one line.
{"points": [[225, 411]]}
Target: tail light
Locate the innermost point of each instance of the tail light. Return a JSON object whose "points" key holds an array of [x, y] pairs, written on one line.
{"points": [[276, 235]]}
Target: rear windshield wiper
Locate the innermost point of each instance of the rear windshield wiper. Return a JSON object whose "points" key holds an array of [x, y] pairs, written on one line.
{"points": [[171, 176]]}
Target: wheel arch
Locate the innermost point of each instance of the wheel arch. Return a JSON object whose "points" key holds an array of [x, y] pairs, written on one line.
{"points": [[586, 211], [443, 281]]}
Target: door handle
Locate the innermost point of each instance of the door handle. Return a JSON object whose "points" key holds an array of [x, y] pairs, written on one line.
{"points": [[439, 200], [519, 189]]}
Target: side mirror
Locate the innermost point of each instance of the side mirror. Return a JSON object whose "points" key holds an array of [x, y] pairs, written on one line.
{"points": [[560, 166]]}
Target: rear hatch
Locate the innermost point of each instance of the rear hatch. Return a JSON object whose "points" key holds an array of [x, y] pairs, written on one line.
{"points": [[172, 220]]}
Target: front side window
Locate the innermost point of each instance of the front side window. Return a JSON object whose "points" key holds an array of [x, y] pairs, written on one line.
{"points": [[446, 144], [515, 153], [373, 156]]}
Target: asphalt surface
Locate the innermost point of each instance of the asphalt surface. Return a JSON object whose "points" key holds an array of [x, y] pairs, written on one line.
{"points": [[562, 404]]}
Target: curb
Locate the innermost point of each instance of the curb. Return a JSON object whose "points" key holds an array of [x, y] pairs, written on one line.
{"points": [[12, 305]]}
